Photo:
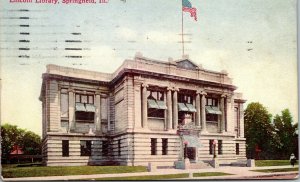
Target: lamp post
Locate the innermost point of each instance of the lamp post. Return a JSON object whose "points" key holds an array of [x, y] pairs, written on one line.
{"points": [[185, 149], [214, 145]]}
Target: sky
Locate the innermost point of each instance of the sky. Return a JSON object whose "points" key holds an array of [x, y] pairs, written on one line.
{"points": [[255, 41]]}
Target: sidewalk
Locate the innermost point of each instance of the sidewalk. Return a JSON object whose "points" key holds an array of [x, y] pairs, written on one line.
{"points": [[238, 173]]}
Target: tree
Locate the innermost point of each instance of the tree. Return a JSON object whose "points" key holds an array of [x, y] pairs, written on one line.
{"points": [[259, 131], [12, 135], [286, 132], [31, 143]]}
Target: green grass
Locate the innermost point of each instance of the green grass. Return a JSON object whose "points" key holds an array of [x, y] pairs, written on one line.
{"points": [[276, 170], [15, 172], [259, 163], [210, 174], [149, 177]]}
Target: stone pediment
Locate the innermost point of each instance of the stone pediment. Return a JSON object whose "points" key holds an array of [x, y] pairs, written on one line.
{"points": [[186, 64]]}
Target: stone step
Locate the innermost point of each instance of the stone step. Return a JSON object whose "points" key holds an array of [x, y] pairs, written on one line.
{"points": [[239, 163], [200, 165]]}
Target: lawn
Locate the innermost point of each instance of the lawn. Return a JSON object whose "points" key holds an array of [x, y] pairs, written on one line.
{"points": [[210, 174], [259, 163], [277, 170], [15, 172]]}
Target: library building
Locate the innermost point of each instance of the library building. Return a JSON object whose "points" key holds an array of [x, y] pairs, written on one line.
{"points": [[158, 112]]}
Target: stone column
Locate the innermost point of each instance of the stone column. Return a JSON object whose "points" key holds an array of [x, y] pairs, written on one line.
{"points": [[72, 124], [98, 113], [229, 110], [198, 109], [169, 110], [222, 127], [144, 106], [175, 109], [203, 113], [137, 105]]}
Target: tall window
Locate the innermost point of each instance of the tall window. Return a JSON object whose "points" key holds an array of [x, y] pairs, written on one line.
{"points": [[164, 146], [220, 147], [85, 108], [65, 148], [237, 149], [153, 146], [85, 148], [64, 104], [212, 109], [105, 146], [185, 106], [156, 104], [119, 147], [64, 109], [236, 121], [211, 147]]}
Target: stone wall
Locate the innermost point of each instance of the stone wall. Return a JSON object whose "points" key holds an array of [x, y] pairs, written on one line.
{"points": [[228, 149], [53, 106], [53, 151]]}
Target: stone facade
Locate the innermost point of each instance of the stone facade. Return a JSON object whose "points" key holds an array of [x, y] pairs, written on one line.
{"points": [[146, 111]]}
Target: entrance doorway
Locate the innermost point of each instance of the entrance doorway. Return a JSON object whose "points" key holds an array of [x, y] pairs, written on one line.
{"points": [[191, 153]]}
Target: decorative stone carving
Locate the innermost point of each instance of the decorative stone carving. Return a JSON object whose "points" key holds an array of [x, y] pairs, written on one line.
{"points": [[145, 85], [189, 126], [203, 93], [186, 64]]}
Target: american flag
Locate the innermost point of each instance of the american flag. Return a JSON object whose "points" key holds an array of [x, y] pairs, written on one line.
{"points": [[187, 7]]}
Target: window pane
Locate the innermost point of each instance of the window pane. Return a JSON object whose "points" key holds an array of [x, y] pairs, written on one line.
{"points": [[77, 98], [220, 147], [161, 96], [104, 106], [164, 146], [237, 148], [211, 147], [84, 99], [85, 148], [105, 146], [64, 105], [84, 116], [215, 102], [148, 93], [209, 101], [119, 147], [153, 146], [212, 117], [91, 99], [65, 148], [156, 113], [236, 117]]}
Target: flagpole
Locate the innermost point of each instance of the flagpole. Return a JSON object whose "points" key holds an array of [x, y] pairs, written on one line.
{"points": [[182, 38]]}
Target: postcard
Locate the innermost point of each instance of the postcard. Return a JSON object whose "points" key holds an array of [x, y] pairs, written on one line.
{"points": [[148, 90]]}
